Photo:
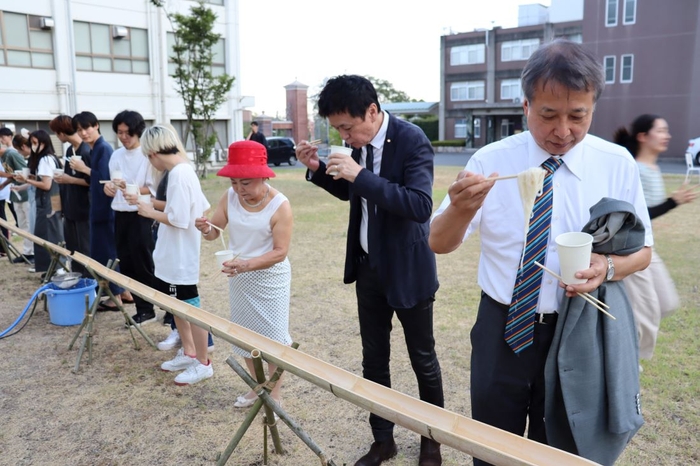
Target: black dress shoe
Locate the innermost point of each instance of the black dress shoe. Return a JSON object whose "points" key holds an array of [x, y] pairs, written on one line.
{"points": [[429, 453], [378, 452]]}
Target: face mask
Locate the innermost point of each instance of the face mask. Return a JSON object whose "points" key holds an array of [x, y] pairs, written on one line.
{"points": [[35, 149]]}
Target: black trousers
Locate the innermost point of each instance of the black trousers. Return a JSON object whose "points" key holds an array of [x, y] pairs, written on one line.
{"points": [[507, 389], [135, 252], [77, 235], [375, 316]]}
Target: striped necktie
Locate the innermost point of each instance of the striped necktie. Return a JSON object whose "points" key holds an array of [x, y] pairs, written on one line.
{"points": [[521, 315]]}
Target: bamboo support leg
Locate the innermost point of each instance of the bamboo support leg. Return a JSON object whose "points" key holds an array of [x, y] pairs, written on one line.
{"points": [[11, 251], [89, 320], [100, 290], [226, 454], [269, 414], [281, 413]]}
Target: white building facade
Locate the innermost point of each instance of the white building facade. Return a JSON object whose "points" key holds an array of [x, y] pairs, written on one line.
{"points": [[67, 56]]}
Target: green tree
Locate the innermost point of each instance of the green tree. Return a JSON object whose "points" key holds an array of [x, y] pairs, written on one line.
{"points": [[202, 93], [386, 92]]}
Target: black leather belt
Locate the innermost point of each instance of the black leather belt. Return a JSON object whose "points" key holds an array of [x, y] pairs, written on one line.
{"points": [[547, 319]]}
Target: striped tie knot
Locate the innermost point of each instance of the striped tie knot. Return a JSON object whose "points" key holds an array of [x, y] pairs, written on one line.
{"points": [[520, 323]]}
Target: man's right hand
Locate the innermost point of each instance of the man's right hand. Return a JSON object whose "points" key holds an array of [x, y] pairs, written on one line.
{"points": [[110, 189], [308, 155]]}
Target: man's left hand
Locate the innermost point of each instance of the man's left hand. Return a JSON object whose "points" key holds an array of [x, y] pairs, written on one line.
{"points": [[346, 167], [595, 276]]}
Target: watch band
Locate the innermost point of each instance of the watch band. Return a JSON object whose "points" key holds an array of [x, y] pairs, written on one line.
{"points": [[610, 273]]}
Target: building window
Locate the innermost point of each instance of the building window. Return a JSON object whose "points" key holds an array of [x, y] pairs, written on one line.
{"points": [[626, 69], [214, 2], [477, 128], [467, 54], [116, 49], [518, 49], [25, 44], [629, 12], [219, 126], [470, 90], [578, 38], [511, 89], [609, 64], [611, 13], [461, 129], [218, 65], [507, 128]]}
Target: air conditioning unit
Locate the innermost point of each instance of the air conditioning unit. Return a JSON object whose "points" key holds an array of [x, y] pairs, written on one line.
{"points": [[46, 23], [516, 100], [119, 32]]}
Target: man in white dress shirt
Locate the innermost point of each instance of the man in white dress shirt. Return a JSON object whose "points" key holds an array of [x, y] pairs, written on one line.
{"points": [[561, 83]]}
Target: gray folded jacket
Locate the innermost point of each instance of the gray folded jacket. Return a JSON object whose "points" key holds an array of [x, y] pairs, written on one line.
{"points": [[615, 227]]}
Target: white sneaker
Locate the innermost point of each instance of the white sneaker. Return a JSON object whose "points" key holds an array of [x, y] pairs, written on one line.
{"points": [[195, 373], [211, 348], [171, 342], [179, 362]]}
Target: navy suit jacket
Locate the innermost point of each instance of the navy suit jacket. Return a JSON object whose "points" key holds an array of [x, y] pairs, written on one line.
{"points": [[402, 193]]}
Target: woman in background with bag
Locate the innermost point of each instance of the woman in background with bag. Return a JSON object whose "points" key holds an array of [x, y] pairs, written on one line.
{"points": [[651, 291]]}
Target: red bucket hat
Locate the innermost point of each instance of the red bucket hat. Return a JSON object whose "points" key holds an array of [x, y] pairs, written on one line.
{"points": [[246, 159]]}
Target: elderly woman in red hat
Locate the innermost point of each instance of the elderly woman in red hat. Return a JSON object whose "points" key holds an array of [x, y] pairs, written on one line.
{"points": [[259, 221]]}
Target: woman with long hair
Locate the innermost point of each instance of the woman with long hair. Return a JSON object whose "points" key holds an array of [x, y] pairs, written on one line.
{"points": [[49, 225], [651, 291]]}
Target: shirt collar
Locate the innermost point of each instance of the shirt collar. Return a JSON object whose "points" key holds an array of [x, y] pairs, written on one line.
{"points": [[378, 140], [572, 159]]}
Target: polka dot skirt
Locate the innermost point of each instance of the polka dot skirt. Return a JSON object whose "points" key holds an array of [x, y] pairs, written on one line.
{"points": [[259, 301]]}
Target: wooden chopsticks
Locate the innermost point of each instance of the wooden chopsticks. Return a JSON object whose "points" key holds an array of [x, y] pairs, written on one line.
{"points": [[504, 177], [600, 305], [315, 142]]}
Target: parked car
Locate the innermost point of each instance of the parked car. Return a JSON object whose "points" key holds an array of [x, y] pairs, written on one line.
{"points": [[281, 150], [694, 148]]}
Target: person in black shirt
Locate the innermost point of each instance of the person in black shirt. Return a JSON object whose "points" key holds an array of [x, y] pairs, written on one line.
{"points": [[257, 135], [75, 191]]}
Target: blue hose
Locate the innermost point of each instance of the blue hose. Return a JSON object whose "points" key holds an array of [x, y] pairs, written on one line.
{"points": [[24, 312]]}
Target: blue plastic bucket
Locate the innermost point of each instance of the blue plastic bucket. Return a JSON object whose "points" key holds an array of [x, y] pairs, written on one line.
{"points": [[67, 307]]}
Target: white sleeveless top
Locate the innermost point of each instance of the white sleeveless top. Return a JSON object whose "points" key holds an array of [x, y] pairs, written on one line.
{"points": [[250, 233]]}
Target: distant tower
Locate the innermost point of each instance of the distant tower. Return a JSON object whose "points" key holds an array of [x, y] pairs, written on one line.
{"points": [[297, 110]]}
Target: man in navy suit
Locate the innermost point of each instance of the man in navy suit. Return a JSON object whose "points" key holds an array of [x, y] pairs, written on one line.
{"points": [[388, 181]]}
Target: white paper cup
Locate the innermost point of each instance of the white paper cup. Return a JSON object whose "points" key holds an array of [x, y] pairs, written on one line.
{"points": [[347, 151], [26, 172], [132, 189], [57, 172], [116, 175], [145, 198], [223, 256], [76, 157], [574, 255]]}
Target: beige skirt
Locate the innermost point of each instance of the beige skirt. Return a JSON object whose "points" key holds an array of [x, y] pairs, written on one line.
{"points": [[653, 296]]}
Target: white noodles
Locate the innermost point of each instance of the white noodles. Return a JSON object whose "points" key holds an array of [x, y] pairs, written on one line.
{"points": [[530, 183]]}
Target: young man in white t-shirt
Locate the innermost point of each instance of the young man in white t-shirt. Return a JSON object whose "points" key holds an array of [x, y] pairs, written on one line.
{"points": [[176, 256], [132, 232]]}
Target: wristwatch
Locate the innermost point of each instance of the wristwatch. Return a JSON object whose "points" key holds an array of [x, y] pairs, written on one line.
{"points": [[611, 268]]}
